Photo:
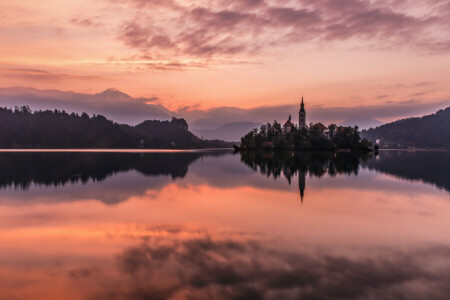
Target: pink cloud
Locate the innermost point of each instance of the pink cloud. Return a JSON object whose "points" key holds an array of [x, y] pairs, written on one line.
{"points": [[230, 28]]}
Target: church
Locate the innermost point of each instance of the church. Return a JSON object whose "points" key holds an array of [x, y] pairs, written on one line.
{"points": [[287, 127]]}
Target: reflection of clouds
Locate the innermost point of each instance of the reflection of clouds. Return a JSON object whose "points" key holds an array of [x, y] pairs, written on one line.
{"points": [[199, 266]]}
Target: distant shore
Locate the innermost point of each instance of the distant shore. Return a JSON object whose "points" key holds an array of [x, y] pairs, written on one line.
{"points": [[415, 149], [118, 150]]}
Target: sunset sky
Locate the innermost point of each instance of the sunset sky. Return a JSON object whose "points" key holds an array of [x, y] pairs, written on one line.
{"points": [[386, 59]]}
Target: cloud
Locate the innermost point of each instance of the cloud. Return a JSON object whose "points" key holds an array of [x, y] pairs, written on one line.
{"points": [[152, 3], [123, 108], [147, 62], [85, 22], [111, 103], [39, 75], [234, 266], [386, 110], [424, 83], [216, 117], [230, 28]]}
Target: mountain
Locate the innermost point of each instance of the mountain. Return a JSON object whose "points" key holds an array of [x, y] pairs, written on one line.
{"points": [[361, 122], [431, 131], [111, 103], [228, 132], [23, 128]]}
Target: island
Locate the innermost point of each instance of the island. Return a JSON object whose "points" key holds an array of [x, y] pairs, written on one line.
{"points": [[274, 136]]}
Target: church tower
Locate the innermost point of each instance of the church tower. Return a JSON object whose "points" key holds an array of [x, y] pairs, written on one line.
{"points": [[302, 116]]}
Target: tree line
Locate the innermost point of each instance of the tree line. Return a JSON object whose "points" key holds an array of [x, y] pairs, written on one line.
{"points": [[431, 131], [313, 137], [20, 127]]}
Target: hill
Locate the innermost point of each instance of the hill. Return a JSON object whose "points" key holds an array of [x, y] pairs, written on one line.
{"points": [[228, 132], [23, 128], [431, 131]]}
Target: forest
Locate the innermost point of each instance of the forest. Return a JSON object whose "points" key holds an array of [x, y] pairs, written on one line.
{"points": [[431, 131], [23, 128]]}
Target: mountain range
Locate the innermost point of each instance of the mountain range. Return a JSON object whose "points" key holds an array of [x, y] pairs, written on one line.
{"points": [[361, 122], [228, 132]]}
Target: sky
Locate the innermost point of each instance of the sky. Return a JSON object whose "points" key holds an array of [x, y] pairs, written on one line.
{"points": [[381, 59]]}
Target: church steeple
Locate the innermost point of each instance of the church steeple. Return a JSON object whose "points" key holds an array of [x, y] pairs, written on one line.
{"points": [[302, 116]]}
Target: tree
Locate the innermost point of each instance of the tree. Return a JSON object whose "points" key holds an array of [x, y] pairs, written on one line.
{"points": [[332, 130], [277, 128]]}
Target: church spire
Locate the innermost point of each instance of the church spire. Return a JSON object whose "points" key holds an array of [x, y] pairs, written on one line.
{"points": [[302, 105]]}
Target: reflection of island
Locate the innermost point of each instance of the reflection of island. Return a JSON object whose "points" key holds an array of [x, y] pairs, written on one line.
{"points": [[21, 169], [303, 163]]}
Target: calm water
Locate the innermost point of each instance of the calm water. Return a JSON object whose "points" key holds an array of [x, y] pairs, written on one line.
{"points": [[213, 225]]}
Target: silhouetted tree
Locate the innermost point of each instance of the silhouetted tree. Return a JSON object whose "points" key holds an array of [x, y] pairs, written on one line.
{"points": [[22, 128]]}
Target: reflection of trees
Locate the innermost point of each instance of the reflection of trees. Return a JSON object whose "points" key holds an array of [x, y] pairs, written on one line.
{"points": [[301, 164], [429, 166], [20, 169]]}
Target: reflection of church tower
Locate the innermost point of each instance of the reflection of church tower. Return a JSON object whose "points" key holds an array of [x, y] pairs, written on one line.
{"points": [[301, 183], [302, 116]]}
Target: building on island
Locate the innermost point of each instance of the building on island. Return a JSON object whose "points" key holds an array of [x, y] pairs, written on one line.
{"points": [[287, 127], [320, 127]]}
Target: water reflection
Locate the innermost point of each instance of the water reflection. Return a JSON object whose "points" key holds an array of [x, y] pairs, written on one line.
{"points": [[189, 263], [232, 267], [25, 171], [427, 166], [20, 169], [301, 164], [108, 177], [215, 225]]}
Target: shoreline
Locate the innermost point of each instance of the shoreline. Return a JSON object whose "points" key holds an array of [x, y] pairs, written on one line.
{"points": [[412, 150], [118, 150]]}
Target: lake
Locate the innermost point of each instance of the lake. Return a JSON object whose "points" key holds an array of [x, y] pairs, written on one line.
{"points": [[218, 225]]}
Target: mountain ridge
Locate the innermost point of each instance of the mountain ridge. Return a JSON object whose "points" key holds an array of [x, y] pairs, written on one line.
{"points": [[361, 122], [232, 131], [430, 131]]}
